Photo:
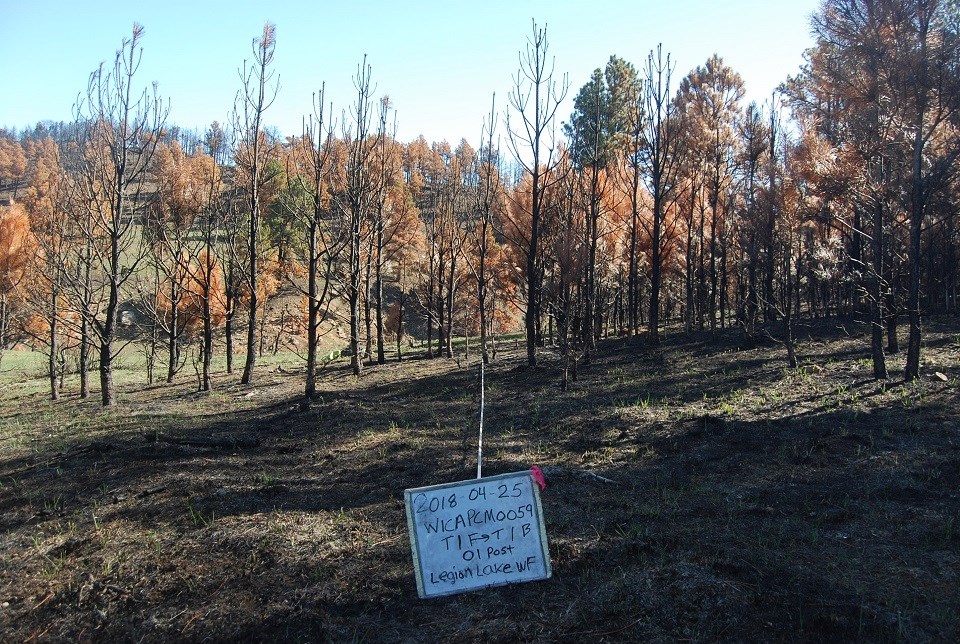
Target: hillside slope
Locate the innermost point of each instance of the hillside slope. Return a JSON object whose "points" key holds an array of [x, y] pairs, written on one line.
{"points": [[749, 501]]}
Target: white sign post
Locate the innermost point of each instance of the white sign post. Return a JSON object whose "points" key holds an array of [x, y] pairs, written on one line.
{"points": [[477, 534]]}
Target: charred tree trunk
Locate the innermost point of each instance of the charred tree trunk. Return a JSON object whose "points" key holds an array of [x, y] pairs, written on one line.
{"points": [[877, 296]]}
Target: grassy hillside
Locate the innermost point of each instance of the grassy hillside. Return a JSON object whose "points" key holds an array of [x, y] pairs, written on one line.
{"points": [[749, 501]]}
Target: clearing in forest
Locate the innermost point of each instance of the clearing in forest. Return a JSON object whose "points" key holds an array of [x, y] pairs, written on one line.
{"points": [[748, 500]]}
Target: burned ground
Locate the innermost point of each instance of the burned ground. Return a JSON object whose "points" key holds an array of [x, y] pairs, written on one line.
{"points": [[750, 501]]}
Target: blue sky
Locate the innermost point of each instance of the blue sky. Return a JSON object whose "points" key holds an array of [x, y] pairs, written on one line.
{"points": [[438, 61]]}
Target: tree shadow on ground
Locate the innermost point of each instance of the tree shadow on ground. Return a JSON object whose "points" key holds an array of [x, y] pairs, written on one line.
{"points": [[812, 517]]}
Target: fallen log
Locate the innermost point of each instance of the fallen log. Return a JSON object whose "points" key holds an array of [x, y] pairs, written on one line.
{"points": [[554, 470]]}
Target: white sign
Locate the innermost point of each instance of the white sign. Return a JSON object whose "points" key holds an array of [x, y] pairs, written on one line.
{"points": [[476, 534]]}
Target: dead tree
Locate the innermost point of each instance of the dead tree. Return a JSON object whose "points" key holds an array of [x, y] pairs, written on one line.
{"points": [[119, 137], [317, 139], [253, 100], [357, 199], [535, 97]]}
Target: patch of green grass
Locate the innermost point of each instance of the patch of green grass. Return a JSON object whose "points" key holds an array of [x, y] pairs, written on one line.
{"points": [[804, 374], [154, 540], [726, 408], [53, 505], [200, 518], [643, 401], [912, 394], [53, 565], [16, 365], [541, 451], [265, 479], [604, 455], [634, 532]]}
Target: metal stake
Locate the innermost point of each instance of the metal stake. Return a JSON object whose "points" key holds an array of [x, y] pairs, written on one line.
{"points": [[480, 442]]}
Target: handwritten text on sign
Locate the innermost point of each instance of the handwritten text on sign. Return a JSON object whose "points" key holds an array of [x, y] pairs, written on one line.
{"points": [[475, 534]]}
